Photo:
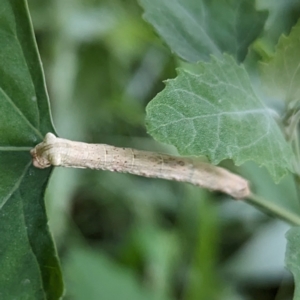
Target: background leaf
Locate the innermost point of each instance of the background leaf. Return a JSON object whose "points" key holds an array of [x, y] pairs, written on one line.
{"points": [[281, 74], [29, 265], [86, 268], [292, 257], [195, 29], [283, 15], [213, 111]]}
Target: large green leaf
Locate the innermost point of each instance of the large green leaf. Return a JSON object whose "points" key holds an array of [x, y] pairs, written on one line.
{"points": [[195, 29], [281, 74], [292, 257], [214, 111], [28, 260]]}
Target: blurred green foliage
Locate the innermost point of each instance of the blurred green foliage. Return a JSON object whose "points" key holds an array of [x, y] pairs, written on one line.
{"points": [[124, 237]]}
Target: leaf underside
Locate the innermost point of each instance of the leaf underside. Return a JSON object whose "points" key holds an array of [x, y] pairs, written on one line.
{"points": [[28, 260], [213, 111]]}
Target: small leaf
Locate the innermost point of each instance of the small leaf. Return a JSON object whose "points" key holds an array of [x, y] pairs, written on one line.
{"points": [[28, 260], [281, 74], [292, 257], [194, 29], [214, 111]]}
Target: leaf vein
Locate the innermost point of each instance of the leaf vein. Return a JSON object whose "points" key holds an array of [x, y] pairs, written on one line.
{"points": [[20, 113]]}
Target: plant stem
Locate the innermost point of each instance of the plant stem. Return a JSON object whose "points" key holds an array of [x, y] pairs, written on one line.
{"points": [[274, 209], [291, 129]]}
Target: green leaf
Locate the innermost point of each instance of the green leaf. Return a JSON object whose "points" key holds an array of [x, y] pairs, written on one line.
{"points": [[214, 111], [292, 257], [281, 74], [283, 15], [194, 29], [28, 260]]}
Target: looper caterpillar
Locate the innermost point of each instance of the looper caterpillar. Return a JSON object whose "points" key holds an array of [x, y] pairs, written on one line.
{"points": [[61, 152]]}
